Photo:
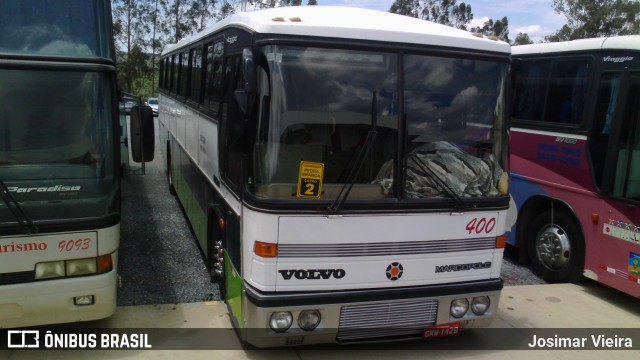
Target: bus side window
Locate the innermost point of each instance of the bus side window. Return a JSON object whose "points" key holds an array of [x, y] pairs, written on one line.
{"points": [[196, 74], [233, 124], [627, 170], [174, 73], [567, 89], [605, 108], [213, 76], [183, 85], [530, 88]]}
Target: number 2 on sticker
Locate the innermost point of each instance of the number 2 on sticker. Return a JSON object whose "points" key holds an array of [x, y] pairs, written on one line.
{"points": [[481, 225], [310, 189]]}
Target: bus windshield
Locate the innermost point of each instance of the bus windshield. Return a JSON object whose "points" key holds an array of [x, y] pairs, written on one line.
{"points": [[44, 27], [56, 144], [322, 105]]}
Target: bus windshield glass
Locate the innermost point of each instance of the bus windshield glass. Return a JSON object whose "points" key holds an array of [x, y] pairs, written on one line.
{"points": [[43, 27], [56, 144], [324, 105]]}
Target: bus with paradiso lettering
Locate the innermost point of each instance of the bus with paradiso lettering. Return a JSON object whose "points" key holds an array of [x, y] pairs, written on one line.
{"points": [[575, 160], [60, 135], [344, 171]]}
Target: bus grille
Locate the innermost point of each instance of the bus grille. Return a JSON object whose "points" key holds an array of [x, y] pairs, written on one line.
{"points": [[17, 277], [386, 321], [385, 248]]}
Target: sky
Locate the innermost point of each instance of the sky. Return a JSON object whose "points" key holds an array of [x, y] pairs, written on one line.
{"points": [[534, 17]]}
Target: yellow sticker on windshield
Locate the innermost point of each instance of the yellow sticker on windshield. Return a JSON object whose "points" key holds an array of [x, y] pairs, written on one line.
{"points": [[310, 179]]}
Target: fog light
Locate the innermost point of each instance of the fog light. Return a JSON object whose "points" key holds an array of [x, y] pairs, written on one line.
{"points": [[280, 321], [83, 300], [309, 319], [47, 270], [480, 305], [459, 307]]}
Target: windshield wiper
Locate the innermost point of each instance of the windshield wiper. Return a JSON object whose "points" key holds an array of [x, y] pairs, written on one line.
{"points": [[460, 204], [23, 219], [359, 160]]}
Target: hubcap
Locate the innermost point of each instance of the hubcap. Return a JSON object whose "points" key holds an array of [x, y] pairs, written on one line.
{"points": [[553, 247], [218, 259]]}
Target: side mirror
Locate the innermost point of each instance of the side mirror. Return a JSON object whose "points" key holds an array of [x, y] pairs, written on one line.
{"points": [[141, 131], [243, 96], [249, 70]]}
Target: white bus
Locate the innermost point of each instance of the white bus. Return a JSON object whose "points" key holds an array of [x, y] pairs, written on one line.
{"points": [[344, 171], [59, 162]]}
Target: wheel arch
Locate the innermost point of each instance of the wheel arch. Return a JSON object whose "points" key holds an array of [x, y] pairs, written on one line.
{"points": [[532, 208]]}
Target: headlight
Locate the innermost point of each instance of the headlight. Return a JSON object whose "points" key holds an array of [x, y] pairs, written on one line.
{"points": [[480, 305], [280, 321], [309, 319], [51, 269], [81, 267], [459, 307]]}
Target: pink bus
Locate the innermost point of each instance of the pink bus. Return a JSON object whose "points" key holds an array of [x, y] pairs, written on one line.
{"points": [[575, 160]]}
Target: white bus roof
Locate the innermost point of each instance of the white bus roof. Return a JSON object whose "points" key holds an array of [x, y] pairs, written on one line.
{"points": [[349, 23], [628, 42]]}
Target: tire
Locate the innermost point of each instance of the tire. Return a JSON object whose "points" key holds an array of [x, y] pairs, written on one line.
{"points": [[215, 254], [172, 189], [556, 250]]}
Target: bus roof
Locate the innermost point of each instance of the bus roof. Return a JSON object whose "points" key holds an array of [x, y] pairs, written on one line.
{"points": [[628, 42], [348, 23]]}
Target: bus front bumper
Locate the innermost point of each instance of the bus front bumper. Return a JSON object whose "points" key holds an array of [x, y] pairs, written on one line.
{"points": [[365, 315], [52, 301]]}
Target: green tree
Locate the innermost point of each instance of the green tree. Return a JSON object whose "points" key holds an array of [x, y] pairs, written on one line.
{"points": [[596, 18], [522, 39], [498, 29], [132, 22], [226, 9], [446, 12], [178, 21], [265, 4], [406, 7], [201, 12]]}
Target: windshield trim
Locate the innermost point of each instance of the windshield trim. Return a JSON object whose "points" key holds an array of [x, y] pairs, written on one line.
{"points": [[397, 202], [108, 183], [386, 205], [65, 225], [379, 46]]}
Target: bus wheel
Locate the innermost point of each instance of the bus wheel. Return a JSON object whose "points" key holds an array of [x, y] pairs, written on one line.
{"points": [[172, 189], [215, 251], [555, 248]]}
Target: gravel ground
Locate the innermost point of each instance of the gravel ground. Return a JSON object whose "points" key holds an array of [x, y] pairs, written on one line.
{"points": [[160, 261], [514, 273]]}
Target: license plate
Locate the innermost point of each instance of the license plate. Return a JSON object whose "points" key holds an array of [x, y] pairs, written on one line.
{"points": [[441, 330]]}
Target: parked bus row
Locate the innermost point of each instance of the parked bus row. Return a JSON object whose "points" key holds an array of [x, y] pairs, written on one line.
{"points": [[345, 171]]}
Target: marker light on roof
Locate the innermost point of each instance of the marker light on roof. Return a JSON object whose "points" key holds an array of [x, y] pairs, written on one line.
{"points": [[278, 19]]}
